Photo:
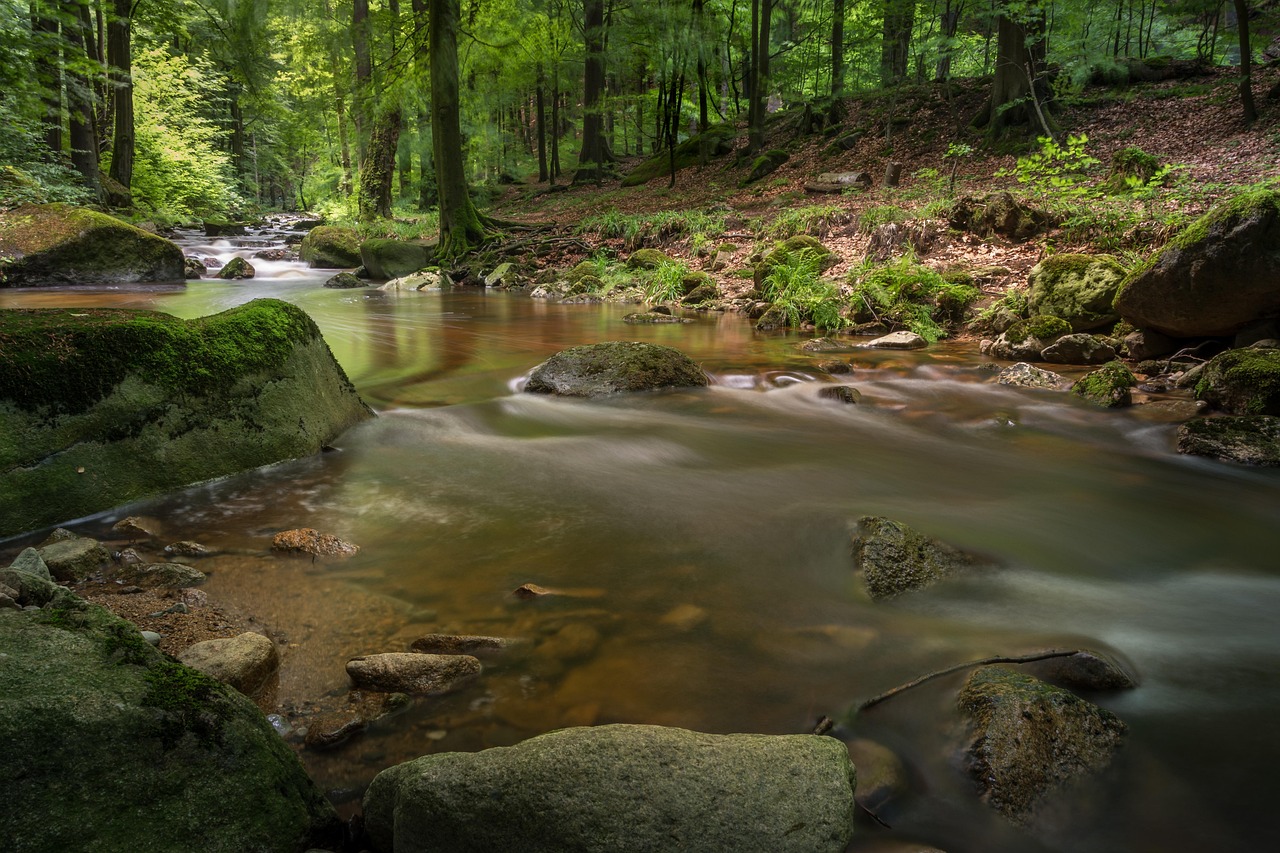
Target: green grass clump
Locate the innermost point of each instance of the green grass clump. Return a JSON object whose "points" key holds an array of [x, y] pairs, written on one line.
{"points": [[639, 228], [665, 283], [907, 294], [815, 219], [796, 288], [884, 214]]}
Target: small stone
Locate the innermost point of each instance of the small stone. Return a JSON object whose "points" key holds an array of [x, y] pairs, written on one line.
{"points": [[128, 556], [412, 673], [840, 393], [187, 549], [307, 540], [1023, 375], [899, 340], [194, 598], [459, 644], [151, 637], [133, 527], [531, 590], [573, 642], [332, 729], [684, 617], [245, 662], [894, 558], [345, 281], [29, 561]]}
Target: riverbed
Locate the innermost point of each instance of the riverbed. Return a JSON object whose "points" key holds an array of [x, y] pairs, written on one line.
{"points": [[702, 537]]}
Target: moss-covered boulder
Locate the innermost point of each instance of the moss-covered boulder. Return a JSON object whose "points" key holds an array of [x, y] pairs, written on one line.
{"points": [[1026, 339], [1110, 386], [1027, 738], [99, 407], [1242, 382], [236, 269], [112, 746], [894, 558], [1248, 440], [1221, 274], [647, 259], [999, 214], [715, 141], [597, 370], [386, 258], [331, 247], [1078, 288], [784, 251], [766, 164], [62, 244], [621, 787]]}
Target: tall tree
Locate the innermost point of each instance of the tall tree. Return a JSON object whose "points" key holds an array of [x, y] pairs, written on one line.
{"points": [[1018, 91], [120, 69], [82, 54], [895, 43], [1246, 62], [595, 160]]}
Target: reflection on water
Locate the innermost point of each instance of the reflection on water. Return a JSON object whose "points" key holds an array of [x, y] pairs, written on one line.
{"points": [[702, 538]]}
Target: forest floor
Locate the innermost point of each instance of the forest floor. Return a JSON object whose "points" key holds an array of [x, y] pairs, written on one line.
{"points": [[1194, 125]]}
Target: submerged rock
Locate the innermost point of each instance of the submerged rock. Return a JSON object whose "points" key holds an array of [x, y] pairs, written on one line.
{"points": [[412, 673], [115, 405], [1248, 439], [840, 393], [1027, 738], [597, 370], [893, 558], [120, 749], [1079, 348], [621, 787], [245, 662], [1084, 670], [458, 644], [308, 540], [62, 244]]}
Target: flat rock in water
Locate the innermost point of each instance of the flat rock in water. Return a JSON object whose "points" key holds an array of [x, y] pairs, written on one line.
{"points": [[598, 370], [898, 340], [1078, 348], [160, 575], [408, 672], [308, 540], [893, 558], [1248, 439], [458, 644], [1027, 738], [642, 789], [1023, 375], [826, 345], [245, 662]]}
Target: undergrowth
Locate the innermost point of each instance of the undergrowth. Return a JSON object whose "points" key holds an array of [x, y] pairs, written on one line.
{"points": [[796, 287], [907, 294]]}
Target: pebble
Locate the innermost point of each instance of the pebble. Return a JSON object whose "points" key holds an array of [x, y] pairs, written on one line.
{"points": [[151, 637]]}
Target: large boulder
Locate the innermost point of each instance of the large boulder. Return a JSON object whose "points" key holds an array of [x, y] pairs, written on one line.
{"points": [[331, 247], [1249, 439], [1242, 381], [1220, 274], [99, 407], [386, 258], [62, 244], [894, 558], [112, 746], [620, 787], [597, 370], [1027, 738], [1078, 288]]}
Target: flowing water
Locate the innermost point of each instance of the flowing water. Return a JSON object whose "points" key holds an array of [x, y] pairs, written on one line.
{"points": [[701, 540]]}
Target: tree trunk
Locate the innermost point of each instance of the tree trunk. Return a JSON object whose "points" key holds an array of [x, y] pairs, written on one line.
{"points": [[120, 62], [837, 50], [363, 95], [1246, 62], [82, 132], [543, 175], [404, 159], [379, 165], [761, 14], [595, 158], [1017, 96], [895, 45], [461, 227], [555, 128], [48, 72], [427, 196], [950, 23]]}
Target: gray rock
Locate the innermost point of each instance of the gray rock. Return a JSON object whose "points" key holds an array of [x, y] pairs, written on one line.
{"points": [[893, 558], [29, 561], [1148, 343], [1079, 348], [71, 560], [345, 281], [151, 637], [642, 789], [1023, 375], [458, 644], [898, 340], [1027, 738], [826, 345], [1248, 439], [1085, 670], [1077, 288], [408, 672], [499, 277], [187, 549], [245, 662], [236, 269], [32, 590], [160, 575], [1242, 381], [597, 370], [422, 280]]}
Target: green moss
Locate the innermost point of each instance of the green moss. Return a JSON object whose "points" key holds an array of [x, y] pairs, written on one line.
{"points": [[188, 700], [716, 140], [1243, 381], [1041, 327], [1129, 165], [331, 246], [1108, 386], [647, 259], [59, 242], [70, 359]]}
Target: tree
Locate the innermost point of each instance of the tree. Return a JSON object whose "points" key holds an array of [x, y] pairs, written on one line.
{"points": [[595, 160], [1018, 90], [120, 70], [895, 45], [1246, 62]]}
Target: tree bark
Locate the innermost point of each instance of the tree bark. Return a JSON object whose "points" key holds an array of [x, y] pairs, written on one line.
{"points": [[379, 165], [595, 159], [120, 67], [542, 132], [362, 96], [48, 72], [761, 14], [82, 132], [1246, 62], [1017, 95], [461, 226], [895, 45], [837, 49]]}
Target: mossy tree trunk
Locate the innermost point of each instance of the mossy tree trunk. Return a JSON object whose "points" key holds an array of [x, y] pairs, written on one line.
{"points": [[462, 228], [379, 165], [758, 85]]}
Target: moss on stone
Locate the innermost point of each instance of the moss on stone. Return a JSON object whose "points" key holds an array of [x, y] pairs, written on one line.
{"points": [[647, 259], [784, 250], [1108, 386], [387, 258], [61, 243], [1243, 382], [1042, 327], [613, 367], [331, 247], [716, 140], [1080, 289]]}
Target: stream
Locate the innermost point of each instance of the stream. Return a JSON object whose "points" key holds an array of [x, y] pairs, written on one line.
{"points": [[702, 538]]}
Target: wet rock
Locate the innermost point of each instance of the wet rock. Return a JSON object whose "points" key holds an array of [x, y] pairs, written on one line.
{"points": [[899, 340], [331, 247], [134, 527], [1247, 439], [684, 617], [1170, 411], [621, 787], [74, 559], [774, 317], [643, 318], [531, 590], [330, 730], [1084, 670], [245, 662], [1023, 375], [1148, 343], [825, 345], [1079, 348], [1026, 339], [1027, 738], [893, 558], [29, 561], [881, 773], [160, 575], [345, 281], [187, 548], [422, 280], [1110, 386], [817, 643], [840, 393], [192, 268], [597, 370], [387, 258], [273, 255], [408, 672], [459, 644], [1242, 381], [236, 269], [308, 540], [1079, 289], [835, 367]]}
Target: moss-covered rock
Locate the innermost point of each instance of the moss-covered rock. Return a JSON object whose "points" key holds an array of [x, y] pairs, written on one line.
{"points": [[1242, 382], [1079, 348], [120, 749], [1026, 339], [766, 164], [331, 247], [715, 141], [647, 259], [703, 292], [894, 558], [999, 213], [62, 244], [782, 252], [386, 258], [236, 269], [1027, 738], [621, 787], [99, 407], [1130, 168], [1080, 289], [596, 370], [1249, 439], [1110, 386], [1221, 274]]}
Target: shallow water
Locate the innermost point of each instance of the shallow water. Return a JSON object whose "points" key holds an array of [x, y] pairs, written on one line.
{"points": [[705, 536]]}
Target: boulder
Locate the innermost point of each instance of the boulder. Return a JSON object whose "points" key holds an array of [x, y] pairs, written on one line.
{"points": [[245, 662], [1084, 670], [62, 244], [882, 776], [1077, 288], [1109, 386], [648, 318], [221, 228], [331, 247], [620, 787], [345, 281], [121, 749], [1242, 381], [1148, 343], [73, 559], [133, 403], [29, 560], [1027, 339], [411, 672], [236, 269], [640, 259], [766, 164], [999, 213], [1027, 738], [893, 558], [160, 575], [898, 340], [1248, 439], [1023, 375], [1079, 348], [702, 292], [192, 268], [597, 370], [838, 182], [386, 258], [1220, 274]]}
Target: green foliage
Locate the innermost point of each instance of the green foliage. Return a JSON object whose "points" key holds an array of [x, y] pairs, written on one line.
{"points": [[885, 214], [908, 294], [665, 283], [814, 219], [1055, 169], [636, 229], [795, 286]]}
